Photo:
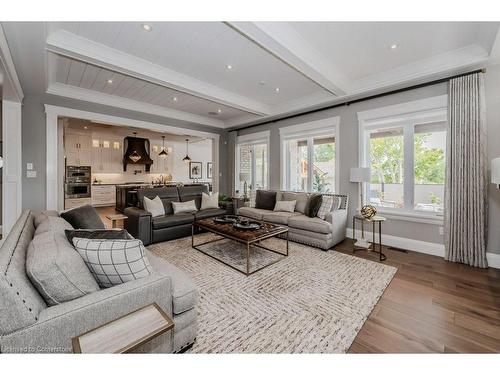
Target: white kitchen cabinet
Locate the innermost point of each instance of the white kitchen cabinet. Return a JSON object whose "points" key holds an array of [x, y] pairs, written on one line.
{"points": [[106, 154], [103, 195], [77, 148]]}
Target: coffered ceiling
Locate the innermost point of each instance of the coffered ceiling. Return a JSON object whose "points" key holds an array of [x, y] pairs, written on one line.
{"points": [[226, 74]]}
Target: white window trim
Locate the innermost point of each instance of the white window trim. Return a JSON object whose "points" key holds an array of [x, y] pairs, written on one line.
{"points": [[263, 137], [308, 130], [428, 110]]}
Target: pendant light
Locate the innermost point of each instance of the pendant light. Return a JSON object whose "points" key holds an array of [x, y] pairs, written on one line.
{"points": [[163, 153], [134, 156], [187, 158]]}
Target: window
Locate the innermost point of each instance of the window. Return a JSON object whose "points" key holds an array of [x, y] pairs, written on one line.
{"points": [[252, 158], [309, 160], [406, 153]]}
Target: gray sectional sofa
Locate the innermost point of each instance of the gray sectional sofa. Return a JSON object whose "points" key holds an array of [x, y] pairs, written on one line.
{"points": [[311, 231], [28, 324]]}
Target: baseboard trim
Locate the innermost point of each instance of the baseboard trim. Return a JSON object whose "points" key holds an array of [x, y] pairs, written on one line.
{"points": [[424, 247]]}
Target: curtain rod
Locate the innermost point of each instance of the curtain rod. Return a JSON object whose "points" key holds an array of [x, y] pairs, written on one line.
{"points": [[370, 97]]}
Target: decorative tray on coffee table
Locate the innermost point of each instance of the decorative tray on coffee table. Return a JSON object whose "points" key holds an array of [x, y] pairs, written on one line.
{"points": [[247, 225], [226, 219]]}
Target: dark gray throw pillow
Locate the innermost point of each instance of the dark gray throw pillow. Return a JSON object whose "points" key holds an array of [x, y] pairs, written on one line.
{"points": [[313, 204], [83, 217], [99, 234], [265, 199]]}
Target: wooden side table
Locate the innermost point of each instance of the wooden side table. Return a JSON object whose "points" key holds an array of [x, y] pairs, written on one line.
{"points": [[125, 334], [115, 217], [374, 220]]}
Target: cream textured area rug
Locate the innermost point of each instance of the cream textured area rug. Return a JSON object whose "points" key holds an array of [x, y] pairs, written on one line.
{"points": [[310, 302]]}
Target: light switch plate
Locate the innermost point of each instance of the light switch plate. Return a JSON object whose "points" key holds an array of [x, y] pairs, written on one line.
{"points": [[31, 174], [29, 166]]}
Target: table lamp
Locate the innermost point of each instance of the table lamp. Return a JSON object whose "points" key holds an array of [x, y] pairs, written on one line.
{"points": [[244, 177], [361, 175]]}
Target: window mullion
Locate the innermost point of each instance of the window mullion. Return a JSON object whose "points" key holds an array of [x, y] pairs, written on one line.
{"points": [[310, 159], [408, 180]]}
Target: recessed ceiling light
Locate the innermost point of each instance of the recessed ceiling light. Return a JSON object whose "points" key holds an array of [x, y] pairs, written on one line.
{"points": [[174, 98], [219, 110], [146, 27], [229, 66], [110, 81], [263, 83], [277, 89], [393, 46]]}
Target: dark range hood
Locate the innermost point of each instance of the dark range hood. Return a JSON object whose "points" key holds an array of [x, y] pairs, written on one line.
{"points": [[136, 152]]}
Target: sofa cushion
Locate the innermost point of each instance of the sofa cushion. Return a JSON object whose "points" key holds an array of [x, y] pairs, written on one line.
{"points": [[43, 216], [285, 206], [154, 206], [20, 302], [114, 262], [103, 234], [313, 224], [56, 270], [326, 206], [184, 207], [83, 217], [279, 217], [209, 201], [313, 204], [212, 212], [53, 224], [301, 199], [184, 291], [167, 221], [188, 193], [253, 213], [167, 195], [265, 199]]}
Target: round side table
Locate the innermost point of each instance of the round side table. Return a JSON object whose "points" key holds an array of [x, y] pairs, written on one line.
{"points": [[374, 220]]}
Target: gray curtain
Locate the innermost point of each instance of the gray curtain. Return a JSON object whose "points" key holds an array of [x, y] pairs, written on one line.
{"points": [[466, 173]]}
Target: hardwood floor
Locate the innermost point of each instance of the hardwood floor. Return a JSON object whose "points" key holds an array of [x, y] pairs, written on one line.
{"points": [[431, 306]]}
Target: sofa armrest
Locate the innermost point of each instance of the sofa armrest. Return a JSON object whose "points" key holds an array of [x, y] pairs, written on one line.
{"points": [[338, 219], [138, 224], [57, 325]]}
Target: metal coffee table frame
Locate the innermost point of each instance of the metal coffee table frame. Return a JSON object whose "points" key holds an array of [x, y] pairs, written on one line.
{"points": [[248, 243]]}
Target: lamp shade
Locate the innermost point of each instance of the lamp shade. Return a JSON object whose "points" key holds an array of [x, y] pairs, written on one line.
{"points": [[244, 177], [360, 174], [495, 171]]}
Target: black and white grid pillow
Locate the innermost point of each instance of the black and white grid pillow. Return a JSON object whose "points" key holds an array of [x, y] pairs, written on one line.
{"points": [[113, 262], [326, 206]]}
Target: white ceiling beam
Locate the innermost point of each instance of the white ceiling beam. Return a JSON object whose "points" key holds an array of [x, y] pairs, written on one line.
{"points": [[76, 47], [283, 41], [92, 96], [495, 49]]}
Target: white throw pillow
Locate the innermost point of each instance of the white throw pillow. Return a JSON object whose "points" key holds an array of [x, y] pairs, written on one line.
{"points": [[113, 262], [154, 206], [326, 206], [209, 201], [180, 207], [286, 206]]}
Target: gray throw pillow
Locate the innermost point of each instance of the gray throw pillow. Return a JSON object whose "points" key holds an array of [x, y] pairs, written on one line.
{"points": [[83, 217], [103, 234], [265, 199], [52, 224], [56, 270]]}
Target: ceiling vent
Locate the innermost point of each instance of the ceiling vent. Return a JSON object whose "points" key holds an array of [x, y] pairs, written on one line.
{"points": [[136, 152]]}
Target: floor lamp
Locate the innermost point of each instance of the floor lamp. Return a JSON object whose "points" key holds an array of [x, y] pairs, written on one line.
{"points": [[361, 175]]}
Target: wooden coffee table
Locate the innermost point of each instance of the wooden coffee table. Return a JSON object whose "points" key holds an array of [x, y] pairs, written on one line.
{"points": [[247, 237]]}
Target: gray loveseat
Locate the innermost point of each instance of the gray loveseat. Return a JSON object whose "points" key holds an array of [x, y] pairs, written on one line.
{"points": [[311, 231], [27, 324]]}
